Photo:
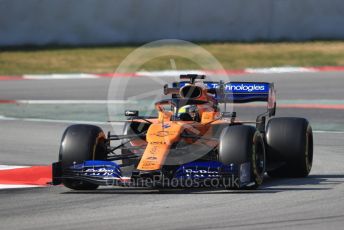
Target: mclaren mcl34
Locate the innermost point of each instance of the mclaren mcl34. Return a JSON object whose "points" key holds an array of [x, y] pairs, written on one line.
{"points": [[190, 142]]}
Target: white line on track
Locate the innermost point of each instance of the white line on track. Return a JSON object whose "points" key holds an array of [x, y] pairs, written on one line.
{"points": [[11, 186], [274, 70], [169, 73], [326, 131], [4, 118], [6, 167], [176, 73], [67, 102], [60, 76]]}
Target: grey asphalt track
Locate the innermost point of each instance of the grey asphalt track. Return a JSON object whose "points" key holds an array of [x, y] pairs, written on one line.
{"points": [[315, 202], [318, 85]]}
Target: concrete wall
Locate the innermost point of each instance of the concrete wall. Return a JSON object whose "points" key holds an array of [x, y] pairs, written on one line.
{"points": [[121, 21]]}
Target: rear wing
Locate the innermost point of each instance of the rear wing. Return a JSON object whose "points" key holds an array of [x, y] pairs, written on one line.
{"points": [[239, 92]]}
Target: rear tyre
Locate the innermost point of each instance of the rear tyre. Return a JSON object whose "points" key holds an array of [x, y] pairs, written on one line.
{"points": [[81, 143], [290, 140], [244, 144]]}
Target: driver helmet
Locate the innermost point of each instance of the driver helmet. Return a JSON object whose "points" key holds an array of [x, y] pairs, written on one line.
{"points": [[192, 110]]}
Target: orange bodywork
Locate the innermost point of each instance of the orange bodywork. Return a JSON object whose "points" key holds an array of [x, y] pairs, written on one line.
{"points": [[159, 141], [163, 133]]}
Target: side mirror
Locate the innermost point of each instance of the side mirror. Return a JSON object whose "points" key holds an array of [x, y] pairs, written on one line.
{"points": [[229, 114], [131, 113]]}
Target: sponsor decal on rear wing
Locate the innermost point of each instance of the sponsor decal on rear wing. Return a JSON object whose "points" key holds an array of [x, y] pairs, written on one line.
{"points": [[238, 92]]}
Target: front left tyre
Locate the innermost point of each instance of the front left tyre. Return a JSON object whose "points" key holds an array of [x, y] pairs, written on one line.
{"points": [[243, 144]]}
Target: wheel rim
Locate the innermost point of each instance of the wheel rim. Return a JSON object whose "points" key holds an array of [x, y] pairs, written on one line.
{"points": [[258, 161], [309, 150]]}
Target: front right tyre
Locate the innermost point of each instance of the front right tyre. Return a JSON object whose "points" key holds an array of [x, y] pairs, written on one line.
{"points": [[81, 143]]}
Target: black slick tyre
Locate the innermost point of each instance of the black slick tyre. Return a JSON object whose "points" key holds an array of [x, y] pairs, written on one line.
{"points": [[80, 143], [290, 140], [244, 144]]}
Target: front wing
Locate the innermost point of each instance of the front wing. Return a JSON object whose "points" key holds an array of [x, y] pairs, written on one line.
{"points": [[194, 174]]}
